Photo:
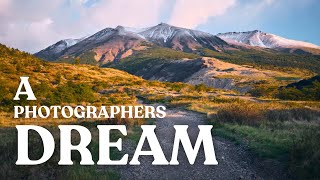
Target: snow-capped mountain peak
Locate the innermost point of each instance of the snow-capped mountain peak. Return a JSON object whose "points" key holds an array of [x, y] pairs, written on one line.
{"points": [[265, 40], [101, 34], [181, 38], [65, 43], [54, 51], [159, 32]]}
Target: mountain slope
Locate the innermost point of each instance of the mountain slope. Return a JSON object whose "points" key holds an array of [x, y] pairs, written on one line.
{"points": [[54, 51], [58, 83], [268, 58], [266, 40], [108, 45], [202, 70], [113, 44]]}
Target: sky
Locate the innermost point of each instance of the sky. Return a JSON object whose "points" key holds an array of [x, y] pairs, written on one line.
{"points": [[33, 25]]}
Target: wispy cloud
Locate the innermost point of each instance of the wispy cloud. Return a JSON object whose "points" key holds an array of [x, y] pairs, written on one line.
{"points": [[257, 7], [4, 4], [188, 13], [129, 13]]}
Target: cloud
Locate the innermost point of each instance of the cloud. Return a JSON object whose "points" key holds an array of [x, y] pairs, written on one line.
{"points": [[129, 13], [30, 36], [254, 9], [4, 4], [188, 13], [33, 25], [27, 25]]}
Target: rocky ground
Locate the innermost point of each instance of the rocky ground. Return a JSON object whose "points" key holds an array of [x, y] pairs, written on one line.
{"points": [[235, 161]]}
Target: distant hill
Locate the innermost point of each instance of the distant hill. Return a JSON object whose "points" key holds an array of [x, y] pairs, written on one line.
{"points": [[305, 83], [307, 89]]}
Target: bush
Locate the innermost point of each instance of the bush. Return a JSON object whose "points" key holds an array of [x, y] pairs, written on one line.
{"points": [[201, 88], [244, 113], [71, 93]]}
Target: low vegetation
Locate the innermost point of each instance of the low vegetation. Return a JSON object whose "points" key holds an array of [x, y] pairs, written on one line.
{"points": [[153, 55], [284, 131], [306, 90], [85, 58], [58, 84]]}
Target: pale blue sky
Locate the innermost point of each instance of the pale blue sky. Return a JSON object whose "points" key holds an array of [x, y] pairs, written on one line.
{"points": [[34, 24]]}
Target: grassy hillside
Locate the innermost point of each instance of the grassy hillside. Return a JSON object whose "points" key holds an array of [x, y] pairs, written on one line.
{"points": [[58, 84], [55, 83], [62, 84], [166, 64], [154, 56], [285, 131], [85, 58], [268, 59], [308, 89]]}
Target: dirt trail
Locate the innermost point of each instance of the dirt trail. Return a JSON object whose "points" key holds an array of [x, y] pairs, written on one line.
{"points": [[234, 161]]}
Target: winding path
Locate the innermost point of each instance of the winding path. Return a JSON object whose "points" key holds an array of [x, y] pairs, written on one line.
{"points": [[235, 162]]}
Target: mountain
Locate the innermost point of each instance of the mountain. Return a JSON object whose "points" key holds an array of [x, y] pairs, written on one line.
{"points": [[108, 45], [113, 44], [182, 39], [254, 48], [54, 51], [266, 40]]}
